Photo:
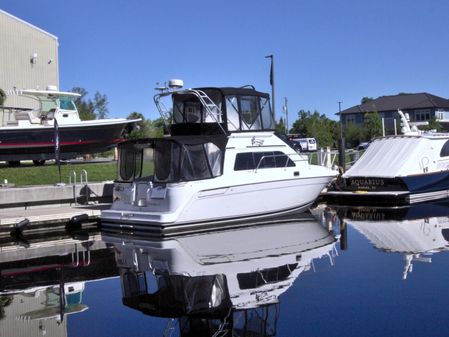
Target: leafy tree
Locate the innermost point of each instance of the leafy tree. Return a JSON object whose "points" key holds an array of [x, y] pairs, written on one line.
{"points": [[86, 109], [89, 109], [101, 105], [433, 125], [2, 97], [372, 125], [323, 129], [146, 128], [354, 135], [280, 126], [366, 100]]}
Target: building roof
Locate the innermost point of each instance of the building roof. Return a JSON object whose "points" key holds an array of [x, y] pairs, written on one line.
{"points": [[28, 24], [402, 101]]}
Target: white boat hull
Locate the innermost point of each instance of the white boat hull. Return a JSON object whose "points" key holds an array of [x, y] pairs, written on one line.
{"points": [[219, 205]]}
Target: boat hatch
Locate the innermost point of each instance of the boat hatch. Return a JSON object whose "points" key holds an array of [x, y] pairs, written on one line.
{"points": [[170, 160], [218, 110]]}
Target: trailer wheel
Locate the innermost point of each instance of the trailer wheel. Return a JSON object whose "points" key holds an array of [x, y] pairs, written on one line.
{"points": [[38, 162]]}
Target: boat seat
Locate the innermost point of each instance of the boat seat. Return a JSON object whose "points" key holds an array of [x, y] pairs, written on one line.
{"points": [[51, 113], [30, 115]]}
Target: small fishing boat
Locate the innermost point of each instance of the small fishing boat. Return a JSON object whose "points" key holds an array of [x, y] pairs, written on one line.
{"points": [[401, 169], [223, 161], [220, 274], [31, 134]]}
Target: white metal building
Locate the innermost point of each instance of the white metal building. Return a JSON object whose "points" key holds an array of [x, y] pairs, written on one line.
{"points": [[28, 58]]}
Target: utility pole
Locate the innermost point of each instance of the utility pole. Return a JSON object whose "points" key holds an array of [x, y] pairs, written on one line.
{"points": [[286, 115], [273, 106], [341, 147]]}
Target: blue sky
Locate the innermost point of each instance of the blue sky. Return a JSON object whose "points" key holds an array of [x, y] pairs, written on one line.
{"points": [[325, 50]]}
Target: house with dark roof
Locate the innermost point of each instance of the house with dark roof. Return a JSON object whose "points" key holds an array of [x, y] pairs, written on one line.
{"points": [[421, 108]]}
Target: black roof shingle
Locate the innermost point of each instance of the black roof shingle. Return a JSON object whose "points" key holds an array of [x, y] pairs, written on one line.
{"points": [[402, 101]]}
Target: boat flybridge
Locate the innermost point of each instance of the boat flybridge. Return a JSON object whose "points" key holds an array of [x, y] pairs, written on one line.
{"points": [[30, 133], [222, 162]]}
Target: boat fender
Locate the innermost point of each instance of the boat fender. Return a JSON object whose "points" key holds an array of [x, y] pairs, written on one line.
{"points": [[17, 233], [21, 225], [78, 219]]}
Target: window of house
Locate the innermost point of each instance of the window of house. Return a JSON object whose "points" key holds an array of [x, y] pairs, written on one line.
{"points": [[350, 119], [422, 115], [261, 160]]}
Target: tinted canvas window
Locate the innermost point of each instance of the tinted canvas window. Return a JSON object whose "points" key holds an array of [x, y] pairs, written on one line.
{"points": [[130, 162], [267, 117], [249, 111]]}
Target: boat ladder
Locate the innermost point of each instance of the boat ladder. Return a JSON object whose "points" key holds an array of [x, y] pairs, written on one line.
{"points": [[84, 185]]}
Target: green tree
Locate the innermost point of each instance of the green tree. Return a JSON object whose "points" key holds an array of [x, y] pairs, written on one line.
{"points": [[280, 126], [433, 125], [316, 125], [88, 109], [366, 99], [146, 128], [100, 105], [354, 135], [2, 97], [372, 125]]}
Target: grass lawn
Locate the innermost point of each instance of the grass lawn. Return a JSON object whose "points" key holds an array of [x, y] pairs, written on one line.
{"points": [[27, 174]]}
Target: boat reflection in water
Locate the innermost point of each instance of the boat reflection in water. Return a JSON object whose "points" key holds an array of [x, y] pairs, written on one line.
{"points": [[43, 276], [416, 231], [224, 283]]}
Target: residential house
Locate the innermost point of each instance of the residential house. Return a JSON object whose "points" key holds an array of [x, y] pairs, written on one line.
{"points": [[421, 108]]}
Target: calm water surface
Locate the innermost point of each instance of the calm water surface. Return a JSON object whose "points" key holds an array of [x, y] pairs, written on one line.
{"points": [[335, 272]]}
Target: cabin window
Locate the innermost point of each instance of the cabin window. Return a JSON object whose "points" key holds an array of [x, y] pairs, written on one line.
{"points": [[232, 111], [267, 118], [261, 160], [249, 110], [445, 150], [187, 112], [65, 103]]}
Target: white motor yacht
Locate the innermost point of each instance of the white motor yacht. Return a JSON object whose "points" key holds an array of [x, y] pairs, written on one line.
{"points": [[398, 169], [223, 161]]}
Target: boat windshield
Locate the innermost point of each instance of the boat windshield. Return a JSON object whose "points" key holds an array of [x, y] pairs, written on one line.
{"points": [[48, 104], [170, 160], [66, 103]]}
